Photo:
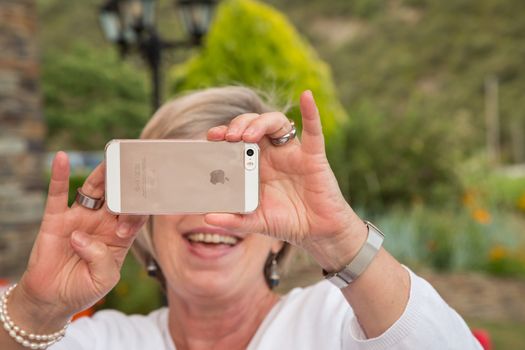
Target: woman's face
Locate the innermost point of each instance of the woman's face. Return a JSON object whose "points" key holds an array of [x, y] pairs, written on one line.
{"points": [[206, 261]]}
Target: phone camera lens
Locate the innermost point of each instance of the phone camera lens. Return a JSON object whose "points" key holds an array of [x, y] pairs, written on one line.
{"points": [[249, 152]]}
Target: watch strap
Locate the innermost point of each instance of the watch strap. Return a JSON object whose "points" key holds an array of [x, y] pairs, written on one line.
{"points": [[361, 261]]}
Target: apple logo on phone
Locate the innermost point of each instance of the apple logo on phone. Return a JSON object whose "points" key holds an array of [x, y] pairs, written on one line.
{"points": [[217, 176]]}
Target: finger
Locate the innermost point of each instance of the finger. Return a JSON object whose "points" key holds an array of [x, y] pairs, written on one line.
{"points": [[312, 138], [129, 225], [274, 124], [217, 133], [238, 125], [94, 184], [57, 195], [102, 266], [236, 222]]}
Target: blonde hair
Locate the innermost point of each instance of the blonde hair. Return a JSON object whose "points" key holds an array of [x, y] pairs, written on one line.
{"points": [[189, 117]]}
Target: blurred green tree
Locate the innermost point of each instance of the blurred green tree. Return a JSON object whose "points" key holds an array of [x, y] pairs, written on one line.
{"points": [[252, 44]]}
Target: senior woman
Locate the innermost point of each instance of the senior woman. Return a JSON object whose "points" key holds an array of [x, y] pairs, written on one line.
{"points": [[218, 270]]}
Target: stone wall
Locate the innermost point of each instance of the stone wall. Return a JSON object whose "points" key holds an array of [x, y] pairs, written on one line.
{"points": [[21, 135]]}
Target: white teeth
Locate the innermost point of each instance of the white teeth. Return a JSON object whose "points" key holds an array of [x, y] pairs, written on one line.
{"points": [[212, 238]]}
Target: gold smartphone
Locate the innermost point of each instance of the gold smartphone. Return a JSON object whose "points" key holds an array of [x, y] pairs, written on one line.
{"points": [[181, 176]]}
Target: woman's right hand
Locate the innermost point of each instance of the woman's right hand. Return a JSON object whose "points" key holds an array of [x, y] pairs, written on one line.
{"points": [[78, 253]]}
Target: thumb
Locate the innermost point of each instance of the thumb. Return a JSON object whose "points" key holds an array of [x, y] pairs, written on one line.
{"points": [[312, 139], [103, 268]]}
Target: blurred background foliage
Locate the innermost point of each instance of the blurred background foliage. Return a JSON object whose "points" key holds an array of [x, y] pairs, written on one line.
{"points": [[410, 75], [424, 56], [401, 90], [90, 97], [255, 45]]}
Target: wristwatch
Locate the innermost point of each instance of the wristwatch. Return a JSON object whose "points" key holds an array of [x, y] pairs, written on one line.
{"points": [[361, 261]]}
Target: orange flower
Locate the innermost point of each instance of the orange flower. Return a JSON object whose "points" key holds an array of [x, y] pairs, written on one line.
{"points": [[86, 313], [482, 216], [521, 203], [469, 198], [497, 253], [89, 311]]}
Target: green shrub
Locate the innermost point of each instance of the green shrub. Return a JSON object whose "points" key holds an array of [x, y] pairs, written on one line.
{"points": [[90, 97], [401, 160], [504, 264], [252, 44]]}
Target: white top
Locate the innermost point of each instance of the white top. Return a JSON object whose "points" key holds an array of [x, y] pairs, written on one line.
{"points": [[317, 317]]}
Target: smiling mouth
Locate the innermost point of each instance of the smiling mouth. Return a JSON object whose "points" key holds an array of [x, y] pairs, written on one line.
{"points": [[212, 239]]}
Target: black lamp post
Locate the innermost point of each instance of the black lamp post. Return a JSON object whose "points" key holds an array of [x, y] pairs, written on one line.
{"points": [[130, 24]]}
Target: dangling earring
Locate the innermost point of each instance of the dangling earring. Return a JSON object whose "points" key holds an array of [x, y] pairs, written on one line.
{"points": [[275, 278], [152, 268]]}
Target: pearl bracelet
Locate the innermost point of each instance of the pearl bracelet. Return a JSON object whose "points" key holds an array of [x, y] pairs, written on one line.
{"points": [[24, 338]]}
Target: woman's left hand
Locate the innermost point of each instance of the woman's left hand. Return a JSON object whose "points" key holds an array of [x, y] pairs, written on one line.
{"points": [[300, 200]]}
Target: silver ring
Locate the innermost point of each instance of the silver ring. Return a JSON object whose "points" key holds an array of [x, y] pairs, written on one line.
{"points": [[279, 141], [87, 201]]}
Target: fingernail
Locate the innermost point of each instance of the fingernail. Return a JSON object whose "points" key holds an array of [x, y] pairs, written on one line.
{"points": [[123, 230], [80, 239]]}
